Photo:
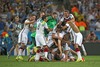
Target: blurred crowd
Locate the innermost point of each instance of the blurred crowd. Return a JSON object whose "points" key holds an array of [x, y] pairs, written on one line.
{"points": [[87, 12], [14, 12]]}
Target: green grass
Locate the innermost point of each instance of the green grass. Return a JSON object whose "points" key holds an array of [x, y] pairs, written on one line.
{"points": [[91, 61]]}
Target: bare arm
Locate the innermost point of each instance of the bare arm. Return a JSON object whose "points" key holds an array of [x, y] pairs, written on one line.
{"points": [[64, 27], [31, 22], [72, 20], [55, 42], [59, 47]]}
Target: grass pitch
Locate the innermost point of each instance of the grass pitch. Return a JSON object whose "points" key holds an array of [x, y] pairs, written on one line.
{"points": [[90, 61]]}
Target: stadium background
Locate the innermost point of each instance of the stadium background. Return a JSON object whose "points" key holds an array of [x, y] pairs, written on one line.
{"points": [[83, 6]]}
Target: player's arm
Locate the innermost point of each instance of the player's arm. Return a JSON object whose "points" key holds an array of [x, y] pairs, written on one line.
{"points": [[64, 27], [49, 29], [55, 42], [60, 47], [46, 27], [59, 37], [71, 20], [60, 22], [12, 29], [31, 22], [56, 37]]}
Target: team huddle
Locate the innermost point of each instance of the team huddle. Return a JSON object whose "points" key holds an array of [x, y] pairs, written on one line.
{"points": [[51, 38]]}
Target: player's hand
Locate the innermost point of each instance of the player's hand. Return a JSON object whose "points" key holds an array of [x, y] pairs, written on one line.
{"points": [[33, 21], [68, 21]]}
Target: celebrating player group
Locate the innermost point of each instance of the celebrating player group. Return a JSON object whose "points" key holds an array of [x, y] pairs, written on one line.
{"points": [[52, 35]]}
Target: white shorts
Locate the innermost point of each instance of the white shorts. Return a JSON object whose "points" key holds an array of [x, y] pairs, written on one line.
{"points": [[70, 55], [78, 39], [66, 47], [50, 41], [22, 38], [40, 40]]}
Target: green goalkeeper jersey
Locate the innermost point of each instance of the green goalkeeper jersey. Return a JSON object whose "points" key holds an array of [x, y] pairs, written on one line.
{"points": [[51, 22], [34, 32]]}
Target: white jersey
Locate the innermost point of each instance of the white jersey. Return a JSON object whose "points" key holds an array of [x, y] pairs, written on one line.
{"points": [[40, 27], [66, 18], [61, 34], [26, 27], [23, 38], [69, 29]]}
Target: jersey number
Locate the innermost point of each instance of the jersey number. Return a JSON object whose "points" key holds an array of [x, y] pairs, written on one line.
{"points": [[38, 27]]}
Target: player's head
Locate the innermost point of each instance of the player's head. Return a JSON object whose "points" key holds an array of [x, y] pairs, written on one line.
{"points": [[16, 18], [42, 13], [59, 28], [45, 18], [66, 13], [31, 17], [54, 15], [92, 33]]}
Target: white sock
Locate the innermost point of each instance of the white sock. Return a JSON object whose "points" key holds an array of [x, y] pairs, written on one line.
{"points": [[37, 57], [49, 56], [83, 48], [79, 55], [20, 52], [46, 54]]}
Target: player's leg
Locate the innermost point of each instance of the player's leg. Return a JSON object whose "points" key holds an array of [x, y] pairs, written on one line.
{"points": [[66, 50], [32, 54], [50, 41], [9, 53], [78, 43], [29, 48], [14, 41], [84, 51], [22, 45], [21, 49], [71, 57], [45, 47], [38, 48]]}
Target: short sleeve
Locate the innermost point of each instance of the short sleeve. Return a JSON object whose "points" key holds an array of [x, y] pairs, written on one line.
{"points": [[67, 24], [26, 21], [46, 26], [62, 19], [71, 16]]}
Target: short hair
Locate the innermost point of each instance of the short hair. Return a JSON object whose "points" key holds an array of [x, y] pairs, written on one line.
{"points": [[59, 26], [30, 15], [44, 17], [41, 12], [66, 11], [54, 13]]}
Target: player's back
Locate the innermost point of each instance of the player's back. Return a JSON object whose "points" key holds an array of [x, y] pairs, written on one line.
{"points": [[40, 27]]}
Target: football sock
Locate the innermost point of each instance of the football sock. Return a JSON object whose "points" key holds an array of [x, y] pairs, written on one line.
{"points": [[46, 52], [78, 53]]}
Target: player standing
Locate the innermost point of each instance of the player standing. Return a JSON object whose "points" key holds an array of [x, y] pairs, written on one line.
{"points": [[40, 39], [23, 35], [78, 38], [17, 26]]}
